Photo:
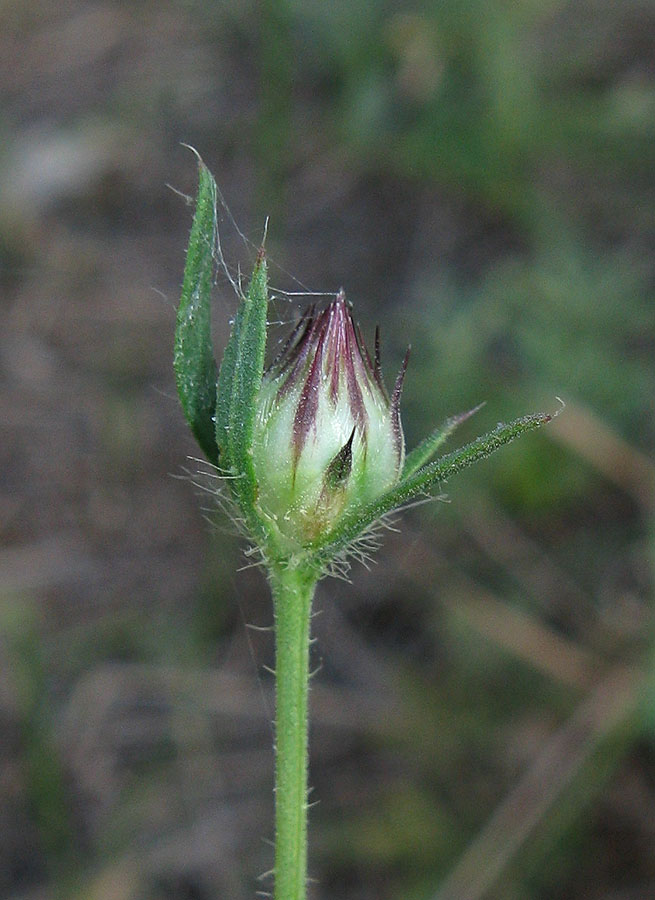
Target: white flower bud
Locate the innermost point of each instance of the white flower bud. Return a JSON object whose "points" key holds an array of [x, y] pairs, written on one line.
{"points": [[328, 437]]}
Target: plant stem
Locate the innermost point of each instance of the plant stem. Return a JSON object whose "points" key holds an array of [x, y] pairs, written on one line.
{"points": [[293, 590]]}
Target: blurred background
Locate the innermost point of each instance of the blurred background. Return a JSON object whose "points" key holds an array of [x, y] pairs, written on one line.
{"points": [[479, 177]]}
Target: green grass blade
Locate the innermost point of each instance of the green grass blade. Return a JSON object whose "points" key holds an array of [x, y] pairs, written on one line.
{"points": [[428, 447], [193, 360]]}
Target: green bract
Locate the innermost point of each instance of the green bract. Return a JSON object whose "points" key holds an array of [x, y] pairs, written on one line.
{"points": [[312, 450]]}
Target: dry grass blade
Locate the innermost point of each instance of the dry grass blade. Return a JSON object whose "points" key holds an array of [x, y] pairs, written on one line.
{"points": [[607, 452], [517, 631], [610, 704]]}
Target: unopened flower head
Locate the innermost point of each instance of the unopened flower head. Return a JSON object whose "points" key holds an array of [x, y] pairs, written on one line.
{"points": [[327, 435]]}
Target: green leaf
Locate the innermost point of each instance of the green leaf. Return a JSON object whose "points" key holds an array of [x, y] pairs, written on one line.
{"points": [[239, 381], [193, 361], [421, 482], [429, 445]]}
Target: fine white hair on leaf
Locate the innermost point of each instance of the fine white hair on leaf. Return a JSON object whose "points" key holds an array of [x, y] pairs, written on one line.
{"points": [[226, 225], [363, 548], [209, 481]]}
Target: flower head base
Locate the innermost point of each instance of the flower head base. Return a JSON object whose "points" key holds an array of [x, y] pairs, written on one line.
{"points": [[327, 435]]}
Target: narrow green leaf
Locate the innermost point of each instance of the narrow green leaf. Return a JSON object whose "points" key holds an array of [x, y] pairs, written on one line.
{"points": [[421, 482], [239, 380], [193, 360], [429, 445]]}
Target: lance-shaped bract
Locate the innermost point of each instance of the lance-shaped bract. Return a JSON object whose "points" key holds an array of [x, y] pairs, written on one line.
{"points": [[193, 359], [239, 380]]}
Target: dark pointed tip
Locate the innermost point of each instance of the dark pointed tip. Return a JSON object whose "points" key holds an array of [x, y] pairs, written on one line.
{"points": [[377, 363], [339, 469], [261, 253], [398, 387], [403, 365]]}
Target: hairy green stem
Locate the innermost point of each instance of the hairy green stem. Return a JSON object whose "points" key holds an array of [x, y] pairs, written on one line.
{"points": [[293, 590]]}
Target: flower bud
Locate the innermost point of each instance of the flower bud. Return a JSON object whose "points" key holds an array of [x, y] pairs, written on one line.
{"points": [[327, 436]]}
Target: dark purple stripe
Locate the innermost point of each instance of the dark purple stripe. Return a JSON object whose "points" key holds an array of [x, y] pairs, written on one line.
{"points": [[305, 417], [286, 354]]}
